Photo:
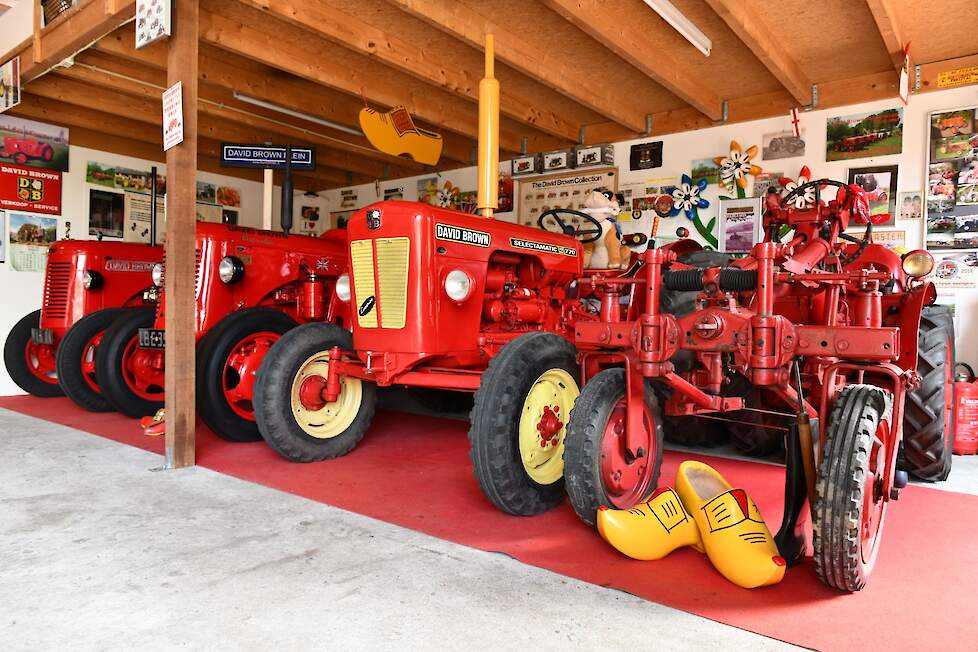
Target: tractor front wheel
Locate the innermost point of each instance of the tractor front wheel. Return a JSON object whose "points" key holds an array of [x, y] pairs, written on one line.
{"points": [[518, 423], [76, 359], [599, 469], [291, 412], [31, 365], [850, 503], [228, 359], [130, 377]]}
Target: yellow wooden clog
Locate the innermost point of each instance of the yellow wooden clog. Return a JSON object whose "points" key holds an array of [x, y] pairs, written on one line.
{"points": [[395, 133], [736, 539], [651, 530]]}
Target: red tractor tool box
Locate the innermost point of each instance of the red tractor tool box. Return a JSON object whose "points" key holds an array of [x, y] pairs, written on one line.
{"points": [[252, 286], [87, 283]]}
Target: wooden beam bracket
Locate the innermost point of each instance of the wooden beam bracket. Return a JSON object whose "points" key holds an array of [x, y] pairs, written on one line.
{"points": [[648, 125], [724, 114], [582, 135], [814, 104]]}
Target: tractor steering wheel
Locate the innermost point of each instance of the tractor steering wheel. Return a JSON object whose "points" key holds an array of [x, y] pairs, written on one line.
{"points": [[584, 235], [817, 184]]}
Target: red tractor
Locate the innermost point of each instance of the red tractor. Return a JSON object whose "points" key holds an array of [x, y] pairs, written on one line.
{"points": [[252, 286], [837, 339], [23, 150], [87, 284]]}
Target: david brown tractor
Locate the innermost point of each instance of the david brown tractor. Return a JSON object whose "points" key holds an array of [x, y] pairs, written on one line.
{"points": [[827, 331], [23, 150], [252, 286], [87, 284]]}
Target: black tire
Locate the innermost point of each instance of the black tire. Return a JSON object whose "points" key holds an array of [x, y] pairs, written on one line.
{"points": [[443, 401], [71, 352], [273, 396], [692, 431], [748, 432], [583, 444], [213, 351], [15, 359], [928, 427], [837, 518], [494, 433], [109, 365]]}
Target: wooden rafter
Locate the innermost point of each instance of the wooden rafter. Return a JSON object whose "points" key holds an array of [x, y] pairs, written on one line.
{"points": [[552, 69], [750, 27], [886, 21], [331, 22], [620, 36]]}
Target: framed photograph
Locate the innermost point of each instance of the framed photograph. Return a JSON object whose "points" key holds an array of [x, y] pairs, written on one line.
{"points": [[880, 184], [645, 156], [34, 144], [740, 224], [910, 205], [951, 200], [782, 144], [106, 213], [864, 135]]}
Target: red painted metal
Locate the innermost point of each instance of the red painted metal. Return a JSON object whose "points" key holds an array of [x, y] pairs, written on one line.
{"points": [[142, 370], [627, 467], [88, 362], [241, 369], [41, 361], [966, 414]]}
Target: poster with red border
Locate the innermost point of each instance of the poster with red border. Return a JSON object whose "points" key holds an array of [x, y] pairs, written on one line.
{"points": [[30, 189]]}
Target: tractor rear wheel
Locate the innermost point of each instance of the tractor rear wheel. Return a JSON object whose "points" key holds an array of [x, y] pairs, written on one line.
{"points": [[228, 358], [850, 505], [518, 423], [289, 407], [32, 366], [76, 359], [928, 423], [130, 377], [749, 430], [599, 470]]}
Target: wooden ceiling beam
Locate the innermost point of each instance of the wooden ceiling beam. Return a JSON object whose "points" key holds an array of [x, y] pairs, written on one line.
{"points": [[243, 40], [886, 21], [550, 68], [329, 21], [749, 26], [620, 36]]}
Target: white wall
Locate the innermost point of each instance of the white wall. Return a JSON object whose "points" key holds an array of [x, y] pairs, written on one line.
{"points": [[20, 292], [679, 150], [16, 24]]}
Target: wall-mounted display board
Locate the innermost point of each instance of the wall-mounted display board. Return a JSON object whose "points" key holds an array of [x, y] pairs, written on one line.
{"points": [[952, 180], [537, 195]]}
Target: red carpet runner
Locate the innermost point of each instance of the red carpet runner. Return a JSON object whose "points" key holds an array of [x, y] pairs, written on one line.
{"points": [[414, 471]]}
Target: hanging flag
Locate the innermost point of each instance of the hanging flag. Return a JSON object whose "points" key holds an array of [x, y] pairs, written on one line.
{"points": [[905, 75], [795, 123]]}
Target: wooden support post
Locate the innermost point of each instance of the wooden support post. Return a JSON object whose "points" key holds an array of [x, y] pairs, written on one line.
{"points": [[181, 211], [36, 45]]}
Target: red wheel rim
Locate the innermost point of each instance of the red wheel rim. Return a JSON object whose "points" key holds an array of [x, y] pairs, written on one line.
{"points": [[874, 501], [40, 359], [241, 369], [88, 362], [626, 478], [142, 369]]}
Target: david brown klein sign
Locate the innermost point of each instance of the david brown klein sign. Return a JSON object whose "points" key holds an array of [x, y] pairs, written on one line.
{"points": [[266, 156]]}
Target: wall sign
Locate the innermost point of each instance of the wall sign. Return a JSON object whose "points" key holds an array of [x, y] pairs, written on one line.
{"points": [[37, 144], [152, 21], [234, 155], [568, 190], [10, 84], [527, 165], [959, 77], [173, 116], [29, 189], [559, 160], [645, 156], [594, 155], [740, 224]]}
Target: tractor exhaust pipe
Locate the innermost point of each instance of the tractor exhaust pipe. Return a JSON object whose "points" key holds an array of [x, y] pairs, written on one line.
{"points": [[489, 136], [287, 191], [152, 206]]}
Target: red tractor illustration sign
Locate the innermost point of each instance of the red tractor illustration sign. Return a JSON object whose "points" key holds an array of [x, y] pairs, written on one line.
{"points": [[24, 150]]}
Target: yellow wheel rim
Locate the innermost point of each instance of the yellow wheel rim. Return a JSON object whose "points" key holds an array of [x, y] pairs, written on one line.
{"points": [[317, 418], [543, 423]]}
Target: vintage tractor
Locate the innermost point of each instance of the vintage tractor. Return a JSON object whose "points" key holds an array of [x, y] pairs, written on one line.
{"points": [[811, 322], [87, 284], [252, 286], [24, 150]]}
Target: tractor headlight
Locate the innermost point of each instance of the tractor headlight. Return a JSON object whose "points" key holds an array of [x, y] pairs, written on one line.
{"points": [[157, 275], [918, 263], [343, 288], [91, 280], [458, 285], [230, 269]]}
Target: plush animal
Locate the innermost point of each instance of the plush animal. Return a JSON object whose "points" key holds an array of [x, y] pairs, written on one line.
{"points": [[607, 252]]}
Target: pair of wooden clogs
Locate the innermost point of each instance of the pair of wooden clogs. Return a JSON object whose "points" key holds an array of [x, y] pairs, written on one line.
{"points": [[704, 512]]}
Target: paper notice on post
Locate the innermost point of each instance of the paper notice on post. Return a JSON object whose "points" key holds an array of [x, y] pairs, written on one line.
{"points": [[173, 116]]}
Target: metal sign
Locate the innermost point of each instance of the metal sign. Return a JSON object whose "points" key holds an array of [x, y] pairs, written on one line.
{"points": [[266, 156]]}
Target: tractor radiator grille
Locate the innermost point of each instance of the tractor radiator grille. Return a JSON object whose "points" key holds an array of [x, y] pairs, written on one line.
{"points": [[380, 281], [56, 285]]}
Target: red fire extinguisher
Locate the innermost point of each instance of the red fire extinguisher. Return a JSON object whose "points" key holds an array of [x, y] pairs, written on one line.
{"points": [[965, 411]]}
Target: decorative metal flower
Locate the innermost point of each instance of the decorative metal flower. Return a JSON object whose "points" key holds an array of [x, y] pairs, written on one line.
{"points": [[735, 167], [687, 198], [804, 200]]}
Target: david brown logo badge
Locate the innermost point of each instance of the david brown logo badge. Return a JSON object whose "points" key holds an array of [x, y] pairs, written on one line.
{"points": [[373, 219], [367, 305]]}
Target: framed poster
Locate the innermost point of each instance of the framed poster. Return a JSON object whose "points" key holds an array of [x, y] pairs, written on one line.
{"points": [[951, 203], [863, 135], [568, 190], [34, 144], [880, 184], [782, 144], [740, 224], [30, 237], [106, 214]]}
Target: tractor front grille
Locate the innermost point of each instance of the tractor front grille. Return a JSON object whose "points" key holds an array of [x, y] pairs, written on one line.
{"points": [[380, 281], [56, 286]]}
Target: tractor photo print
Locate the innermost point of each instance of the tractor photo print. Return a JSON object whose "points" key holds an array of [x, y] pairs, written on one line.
{"points": [[39, 145], [864, 135]]}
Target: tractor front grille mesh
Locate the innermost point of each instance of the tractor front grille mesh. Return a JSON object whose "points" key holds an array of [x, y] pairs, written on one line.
{"points": [[380, 281], [56, 286]]}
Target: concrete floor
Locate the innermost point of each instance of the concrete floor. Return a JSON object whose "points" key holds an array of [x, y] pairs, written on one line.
{"points": [[99, 552]]}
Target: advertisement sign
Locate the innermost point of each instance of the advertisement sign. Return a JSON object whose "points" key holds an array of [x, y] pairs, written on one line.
{"points": [[10, 84], [37, 144], [234, 155], [173, 116], [152, 21], [569, 190], [28, 189], [957, 271]]}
